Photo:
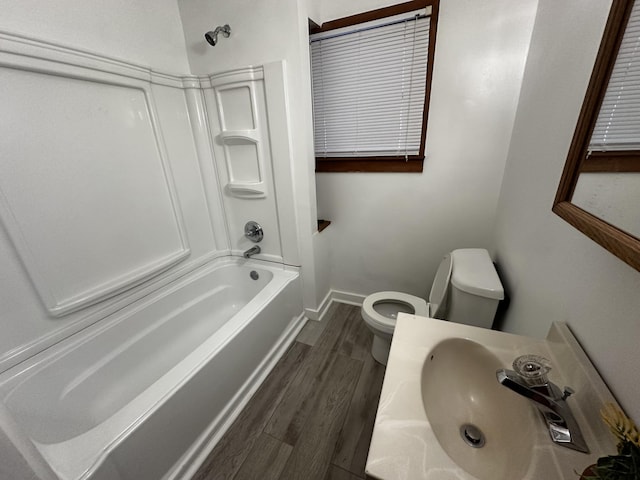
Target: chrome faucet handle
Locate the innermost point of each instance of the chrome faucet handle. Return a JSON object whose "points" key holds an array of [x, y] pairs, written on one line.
{"points": [[253, 231], [532, 369], [568, 391]]}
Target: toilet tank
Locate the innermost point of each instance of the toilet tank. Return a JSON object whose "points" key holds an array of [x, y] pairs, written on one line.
{"points": [[475, 288]]}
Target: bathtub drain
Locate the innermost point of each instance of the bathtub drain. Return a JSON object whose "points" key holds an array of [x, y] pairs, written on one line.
{"points": [[254, 275], [472, 435]]}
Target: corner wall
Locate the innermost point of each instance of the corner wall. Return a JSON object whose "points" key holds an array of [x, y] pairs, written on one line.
{"points": [[552, 271], [390, 230]]}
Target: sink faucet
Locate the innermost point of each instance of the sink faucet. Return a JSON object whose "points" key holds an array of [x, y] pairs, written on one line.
{"points": [[551, 402], [252, 251]]}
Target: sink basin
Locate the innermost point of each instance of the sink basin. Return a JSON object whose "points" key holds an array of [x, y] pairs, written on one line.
{"points": [[481, 425], [441, 376]]}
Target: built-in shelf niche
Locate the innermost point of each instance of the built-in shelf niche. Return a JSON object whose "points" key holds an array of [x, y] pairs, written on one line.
{"points": [[241, 134]]}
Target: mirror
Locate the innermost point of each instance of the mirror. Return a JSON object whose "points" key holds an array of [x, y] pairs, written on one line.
{"points": [[599, 192], [613, 197]]}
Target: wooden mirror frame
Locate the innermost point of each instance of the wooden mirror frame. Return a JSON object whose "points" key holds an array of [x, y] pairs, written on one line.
{"points": [[617, 241]]}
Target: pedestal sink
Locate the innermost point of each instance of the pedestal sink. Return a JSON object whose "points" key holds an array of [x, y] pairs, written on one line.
{"points": [[443, 415]]}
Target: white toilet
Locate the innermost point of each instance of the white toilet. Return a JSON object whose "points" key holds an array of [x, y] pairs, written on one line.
{"points": [[466, 289]]}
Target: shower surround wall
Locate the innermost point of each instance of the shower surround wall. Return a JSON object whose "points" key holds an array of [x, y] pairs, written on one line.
{"points": [[66, 117], [265, 32]]}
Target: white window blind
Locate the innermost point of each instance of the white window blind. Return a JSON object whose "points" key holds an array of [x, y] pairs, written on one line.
{"points": [[369, 89], [618, 124]]}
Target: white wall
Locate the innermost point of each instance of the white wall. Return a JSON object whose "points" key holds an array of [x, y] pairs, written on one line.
{"points": [[147, 32], [389, 230], [264, 32], [552, 271], [332, 9]]}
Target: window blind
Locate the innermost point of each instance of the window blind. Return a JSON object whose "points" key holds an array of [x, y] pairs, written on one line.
{"points": [[369, 89], [618, 124]]}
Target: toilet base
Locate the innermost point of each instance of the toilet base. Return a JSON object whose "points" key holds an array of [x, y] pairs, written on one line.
{"points": [[380, 349]]}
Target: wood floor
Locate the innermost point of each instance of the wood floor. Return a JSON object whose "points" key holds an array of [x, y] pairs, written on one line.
{"points": [[313, 416]]}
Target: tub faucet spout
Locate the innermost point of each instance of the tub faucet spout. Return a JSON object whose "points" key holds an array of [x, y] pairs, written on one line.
{"points": [[551, 402], [252, 251]]}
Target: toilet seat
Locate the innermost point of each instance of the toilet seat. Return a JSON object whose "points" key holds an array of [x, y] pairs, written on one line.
{"points": [[386, 324]]}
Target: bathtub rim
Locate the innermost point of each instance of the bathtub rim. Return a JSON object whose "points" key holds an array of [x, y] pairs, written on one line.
{"points": [[12, 378]]}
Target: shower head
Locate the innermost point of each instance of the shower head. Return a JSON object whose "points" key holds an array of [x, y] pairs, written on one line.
{"points": [[212, 37]]}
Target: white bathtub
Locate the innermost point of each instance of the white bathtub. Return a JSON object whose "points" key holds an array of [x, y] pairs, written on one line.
{"points": [[146, 393]]}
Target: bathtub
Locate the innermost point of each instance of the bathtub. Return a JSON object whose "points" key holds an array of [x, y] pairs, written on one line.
{"points": [[146, 393]]}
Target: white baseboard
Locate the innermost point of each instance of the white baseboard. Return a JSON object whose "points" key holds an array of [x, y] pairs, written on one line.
{"points": [[334, 296], [347, 297], [195, 456], [317, 314]]}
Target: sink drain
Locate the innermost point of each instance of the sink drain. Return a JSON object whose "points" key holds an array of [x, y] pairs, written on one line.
{"points": [[472, 435]]}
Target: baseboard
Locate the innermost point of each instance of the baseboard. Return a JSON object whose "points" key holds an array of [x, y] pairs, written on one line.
{"points": [[317, 314], [332, 296], [201, 448], [347, 297]]}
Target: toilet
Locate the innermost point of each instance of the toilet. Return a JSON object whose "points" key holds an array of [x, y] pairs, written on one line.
{"points": [[466, 289]]}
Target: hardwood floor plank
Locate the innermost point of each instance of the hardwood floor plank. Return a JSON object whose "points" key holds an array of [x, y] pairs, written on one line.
{"points": [[313, 450], [291, 414], [357, 341], [336, 473], [345, 333], [353, 442], [313, 416], [311, 332], [289, 417], [232, 449], [266, 459], [337, 328]]}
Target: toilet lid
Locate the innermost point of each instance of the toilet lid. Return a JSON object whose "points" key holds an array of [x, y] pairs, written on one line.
{"points": [[386, 324], [440, 285]]}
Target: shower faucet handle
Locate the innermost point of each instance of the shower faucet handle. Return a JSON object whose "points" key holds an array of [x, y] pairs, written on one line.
{"points": [[253, 231]]}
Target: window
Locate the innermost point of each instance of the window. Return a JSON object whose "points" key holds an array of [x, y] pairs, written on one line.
{"points": [[606, 143], [371, 79]]}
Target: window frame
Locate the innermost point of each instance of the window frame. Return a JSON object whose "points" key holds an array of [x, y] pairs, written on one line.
{"points": [[412, 163], [579, 160]]}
